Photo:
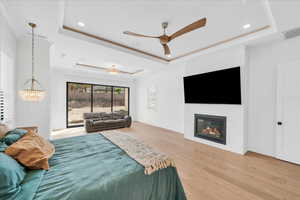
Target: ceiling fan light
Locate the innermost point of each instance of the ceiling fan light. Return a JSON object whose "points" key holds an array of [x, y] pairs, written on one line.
{"points": [[168, 55], [113, 70]]}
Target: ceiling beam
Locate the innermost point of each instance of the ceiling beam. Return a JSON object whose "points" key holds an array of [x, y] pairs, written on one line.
{"points": [[221, 42]]}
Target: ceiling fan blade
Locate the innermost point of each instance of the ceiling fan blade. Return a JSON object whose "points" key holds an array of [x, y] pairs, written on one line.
{"points": [[107, 69], [139, 35], [167, 50], [123, 72], [91, 66], [198, 24], [131, 73], [138, 71]]}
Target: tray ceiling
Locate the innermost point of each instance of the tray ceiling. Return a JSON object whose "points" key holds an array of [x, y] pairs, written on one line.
{"points": [[108, 19]]}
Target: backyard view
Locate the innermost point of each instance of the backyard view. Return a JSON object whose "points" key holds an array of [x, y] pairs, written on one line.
{"points": [[83, 98]]}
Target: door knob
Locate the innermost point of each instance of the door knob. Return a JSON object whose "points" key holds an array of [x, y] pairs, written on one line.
{"points": [[279, 123]]}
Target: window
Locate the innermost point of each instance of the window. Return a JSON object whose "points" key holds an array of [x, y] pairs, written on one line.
{"points": [[121, 99], [102, 98], [79, 102], [1, 105], [83, 98]]}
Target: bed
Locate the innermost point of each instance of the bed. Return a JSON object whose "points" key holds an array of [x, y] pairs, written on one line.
{"points": [[91, 167]]}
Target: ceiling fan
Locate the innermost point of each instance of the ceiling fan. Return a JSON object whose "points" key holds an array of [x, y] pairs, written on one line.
{"points": [[111, 70], [165, 39]]}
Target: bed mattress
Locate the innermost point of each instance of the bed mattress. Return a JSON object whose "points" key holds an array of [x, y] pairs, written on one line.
{"points": [[90, 167]]}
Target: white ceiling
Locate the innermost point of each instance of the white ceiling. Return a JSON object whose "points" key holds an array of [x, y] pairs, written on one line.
{"points": [[109, 18], [67, 51], [45, 13]]}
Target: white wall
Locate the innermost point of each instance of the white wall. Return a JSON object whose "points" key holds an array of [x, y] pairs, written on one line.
{"points": [[170, 101], [171, 112], [33, 113], [227, 58], [7, 68], [60, 77], [258, 114], [263, 61]]}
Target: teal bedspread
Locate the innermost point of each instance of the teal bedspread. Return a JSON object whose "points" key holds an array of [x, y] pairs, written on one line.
{"points": [[90, 167]]}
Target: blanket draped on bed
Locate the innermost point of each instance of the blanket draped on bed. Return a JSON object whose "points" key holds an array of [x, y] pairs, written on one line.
{"points": [[142, 153]]}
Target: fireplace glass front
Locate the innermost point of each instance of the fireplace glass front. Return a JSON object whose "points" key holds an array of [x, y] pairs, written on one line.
{"points": [[210, 127]]}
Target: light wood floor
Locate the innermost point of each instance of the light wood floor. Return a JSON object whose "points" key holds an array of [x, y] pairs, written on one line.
{"points": [[212, 174]]}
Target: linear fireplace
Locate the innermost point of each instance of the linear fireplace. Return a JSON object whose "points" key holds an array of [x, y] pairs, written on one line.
{"points": [[210, 127]]}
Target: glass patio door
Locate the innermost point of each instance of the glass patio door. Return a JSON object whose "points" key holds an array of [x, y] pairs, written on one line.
{"points": [[102, 98], [84, 98], [79, 101], [121, 99]]}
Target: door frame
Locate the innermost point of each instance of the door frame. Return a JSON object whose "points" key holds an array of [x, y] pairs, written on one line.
{"points": [[92, 85], [280, 78], [279, 113]]}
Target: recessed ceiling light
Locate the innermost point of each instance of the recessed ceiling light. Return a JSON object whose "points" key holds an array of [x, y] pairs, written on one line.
{"points": [[246, 26], [81, 24]]}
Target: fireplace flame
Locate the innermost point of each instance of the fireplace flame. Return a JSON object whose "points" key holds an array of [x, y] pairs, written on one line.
{"points": [[211, 131]]}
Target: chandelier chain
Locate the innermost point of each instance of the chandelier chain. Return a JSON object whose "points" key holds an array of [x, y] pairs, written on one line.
{"points": [[32, 54]]}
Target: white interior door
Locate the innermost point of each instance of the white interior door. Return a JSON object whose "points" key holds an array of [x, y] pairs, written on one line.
{"points": [[288, 112]]}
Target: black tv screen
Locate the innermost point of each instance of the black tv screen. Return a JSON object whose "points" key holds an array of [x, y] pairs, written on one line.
{"points": [[218, 87]]}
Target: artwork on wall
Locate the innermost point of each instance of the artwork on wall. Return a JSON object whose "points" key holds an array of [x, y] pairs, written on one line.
{"points": [[152, 97]]}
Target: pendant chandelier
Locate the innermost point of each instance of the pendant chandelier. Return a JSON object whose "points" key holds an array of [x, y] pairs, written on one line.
{"points": [[32, 91]]}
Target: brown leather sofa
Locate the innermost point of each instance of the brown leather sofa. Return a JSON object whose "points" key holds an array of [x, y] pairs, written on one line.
{"points": [[94, 122]]}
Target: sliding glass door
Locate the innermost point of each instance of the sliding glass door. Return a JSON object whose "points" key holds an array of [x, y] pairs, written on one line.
{"points": [[121, 99], [102, 98], [79, 101], [83, 98]]}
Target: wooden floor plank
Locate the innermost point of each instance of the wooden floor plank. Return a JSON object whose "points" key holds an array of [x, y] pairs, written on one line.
{"points": [[214, 174]]}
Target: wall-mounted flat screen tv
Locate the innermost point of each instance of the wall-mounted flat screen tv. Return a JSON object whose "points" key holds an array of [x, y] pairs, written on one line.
{"points": [[218, 87]]}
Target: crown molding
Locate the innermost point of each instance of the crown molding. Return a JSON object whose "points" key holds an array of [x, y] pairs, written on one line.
{"points": [[220, 43], [113, 43]]}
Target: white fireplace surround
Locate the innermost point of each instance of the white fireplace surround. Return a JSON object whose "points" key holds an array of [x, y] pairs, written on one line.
{"points": [[235, 114]]}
